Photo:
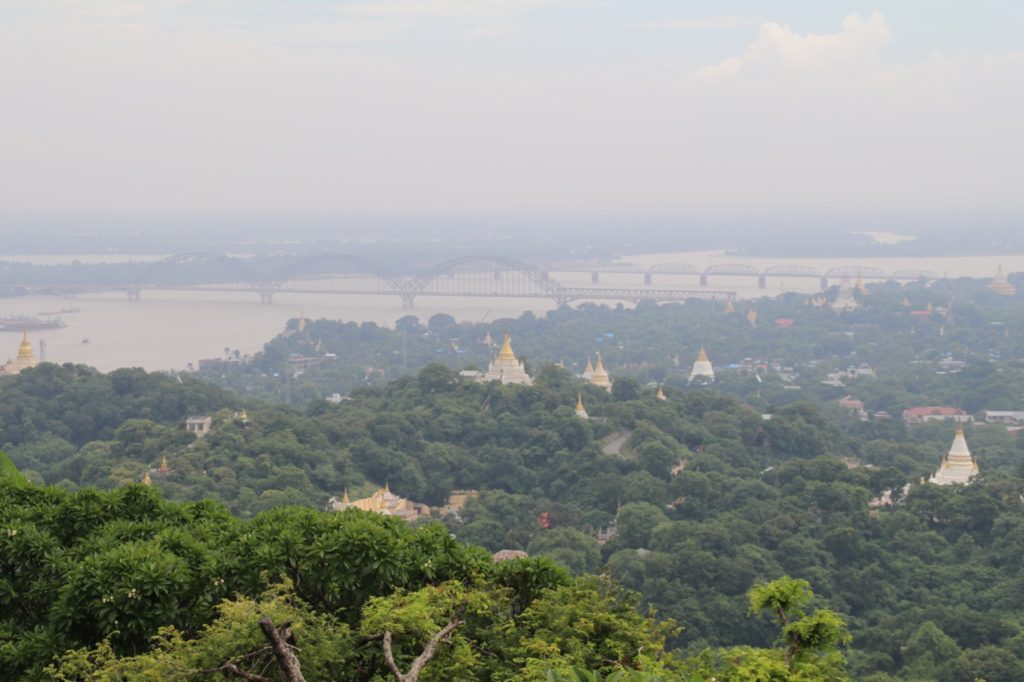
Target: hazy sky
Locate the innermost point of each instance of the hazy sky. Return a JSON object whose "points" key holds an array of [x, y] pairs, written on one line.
{"points": [[543, 107]]}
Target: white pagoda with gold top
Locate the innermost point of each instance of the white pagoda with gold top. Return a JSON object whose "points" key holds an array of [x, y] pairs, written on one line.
{"points": [[702, 370], [958, 466], [506, 368], [581, 411]]}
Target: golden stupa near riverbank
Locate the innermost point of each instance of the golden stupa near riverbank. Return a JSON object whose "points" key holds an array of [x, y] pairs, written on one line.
{"points": [[26, 358]]}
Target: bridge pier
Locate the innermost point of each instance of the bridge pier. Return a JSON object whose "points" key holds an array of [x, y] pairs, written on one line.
{"points": [[703, 279], [266, 296], [407, 300], [824, 283], [133, 294], [648, 278], [595, 277], [762, 282]]}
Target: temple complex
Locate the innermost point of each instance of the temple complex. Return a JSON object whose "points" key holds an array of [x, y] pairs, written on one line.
{"points": [[599, 375], [382, 502], [958, 466], [581, 411], [702, 370], [25, 359], [844, 299], [1000, 285], [506, 368]]}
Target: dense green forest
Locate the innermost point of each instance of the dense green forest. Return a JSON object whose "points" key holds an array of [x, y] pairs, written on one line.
{"points": [[123, 586], [688, 501], [893, 332], [706, 496]]}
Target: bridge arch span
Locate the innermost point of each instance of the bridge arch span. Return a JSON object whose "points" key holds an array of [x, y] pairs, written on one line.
{"points": [[739, 269], [674, 269], [864, 271], [791, 271], [504, 276]]}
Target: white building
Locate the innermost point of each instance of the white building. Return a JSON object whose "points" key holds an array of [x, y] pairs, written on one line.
{"points": [[958, 466], [702, 370]]}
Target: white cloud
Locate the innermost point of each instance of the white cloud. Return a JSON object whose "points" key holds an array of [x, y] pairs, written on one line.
{"points": [[778, 48]]}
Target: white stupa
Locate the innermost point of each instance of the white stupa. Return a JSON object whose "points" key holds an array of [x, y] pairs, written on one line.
{"points": [[958, 466], [702, 370], [506, 367]]}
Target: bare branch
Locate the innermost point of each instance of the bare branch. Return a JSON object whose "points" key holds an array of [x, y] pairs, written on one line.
{"points": [[283, 650], [420, 661]]}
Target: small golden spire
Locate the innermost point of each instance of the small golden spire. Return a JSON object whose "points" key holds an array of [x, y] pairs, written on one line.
{"points": [[589, 369], [660, 395], [506, 349], [906, 302], [344, 497], [959, 428], [579, 402], [164, 467], [702, 356], [752, 316], [599, 367], [729, 309], [146, 480], [302, 321]]}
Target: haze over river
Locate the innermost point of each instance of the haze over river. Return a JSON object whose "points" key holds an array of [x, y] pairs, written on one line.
{"points": [[170, 329]]}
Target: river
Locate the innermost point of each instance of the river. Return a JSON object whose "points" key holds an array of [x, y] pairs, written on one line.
{"points": [[170, 330]]}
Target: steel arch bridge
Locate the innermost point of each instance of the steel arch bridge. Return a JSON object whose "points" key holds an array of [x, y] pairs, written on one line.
{"points": [[339, 273]]}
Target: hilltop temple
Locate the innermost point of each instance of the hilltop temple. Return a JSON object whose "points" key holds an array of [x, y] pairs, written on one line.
{"points": [[382, 502], [26, 358], [702, 370], [598, 376], [1001, 285], [958, 466], [506, 367]]}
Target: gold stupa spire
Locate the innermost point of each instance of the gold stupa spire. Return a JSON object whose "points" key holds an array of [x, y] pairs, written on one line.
{"points": [[702, 356], [752, 317], [589, 369], [599, 368], [302, 321], [660, 395], [729, 309], [164, 467], [344, 497], [146, 480], [581, 411], [506, 349], [906, 302]]}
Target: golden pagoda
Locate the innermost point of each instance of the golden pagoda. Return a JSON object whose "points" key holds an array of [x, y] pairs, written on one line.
{"points": [[958, 466], [861, 288], [506, 368], [588, 371], [1000, 285], [146, 480], [581, 411], [24, 360], [729, 308], [660, 395], [752, 317], [302, 322], [906, 302], [382, 502], [599, 377], [164, 467]]}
